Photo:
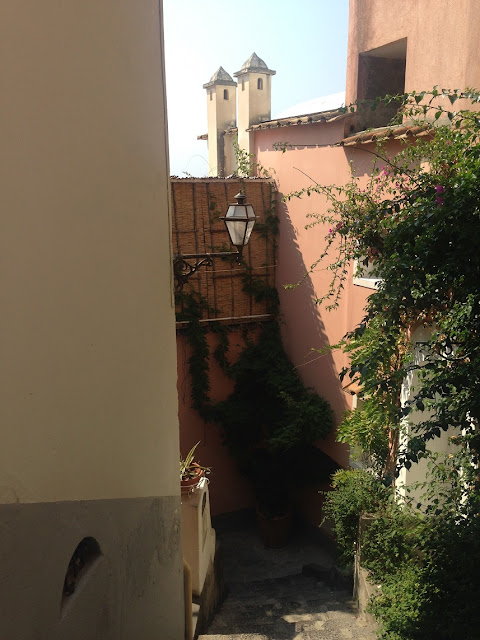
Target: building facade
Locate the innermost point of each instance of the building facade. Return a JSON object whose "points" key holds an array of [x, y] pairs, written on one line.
{"points": [[393, 47], [89, 486]]}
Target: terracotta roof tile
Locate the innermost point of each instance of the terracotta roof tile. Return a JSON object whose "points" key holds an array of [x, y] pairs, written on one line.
{"points": [[386, 133], [309, 118]]}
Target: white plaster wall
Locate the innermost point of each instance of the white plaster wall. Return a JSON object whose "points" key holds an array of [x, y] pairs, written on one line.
{"points": [[88, 374], [409, 478]]}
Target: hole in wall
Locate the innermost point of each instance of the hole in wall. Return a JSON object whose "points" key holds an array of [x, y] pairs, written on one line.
{"points": [[84, 556], [260, 84], [381, 72]]}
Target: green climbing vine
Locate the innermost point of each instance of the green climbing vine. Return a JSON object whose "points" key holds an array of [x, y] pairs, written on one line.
{"points": [[271, 419], [247, 164]]}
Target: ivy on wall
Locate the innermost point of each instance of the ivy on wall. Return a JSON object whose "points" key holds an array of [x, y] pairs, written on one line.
{"points": [[270, 419]]}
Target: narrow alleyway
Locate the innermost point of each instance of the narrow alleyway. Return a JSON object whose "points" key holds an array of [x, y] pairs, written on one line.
{"points": [[294, 593]]}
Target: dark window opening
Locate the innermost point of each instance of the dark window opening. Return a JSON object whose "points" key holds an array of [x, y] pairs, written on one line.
{"points": [[260, 84], [381, 72], [243, 85], [211, 95], [225, 94], [83, 557]]}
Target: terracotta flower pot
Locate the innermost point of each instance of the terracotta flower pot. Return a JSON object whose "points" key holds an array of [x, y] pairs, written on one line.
{"points": [[189, 484], [274, 530]]}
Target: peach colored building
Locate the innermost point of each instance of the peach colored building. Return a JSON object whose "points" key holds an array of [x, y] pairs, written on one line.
{"points": [[390, 49], [393, 47]]}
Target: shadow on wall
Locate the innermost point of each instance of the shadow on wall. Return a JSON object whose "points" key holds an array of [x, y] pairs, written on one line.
{"points": [[304, 331], [229, 490], [363, 159]]}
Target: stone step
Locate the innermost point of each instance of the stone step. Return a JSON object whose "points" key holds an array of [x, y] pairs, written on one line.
{"points": [[295, 607], [301, 584]]}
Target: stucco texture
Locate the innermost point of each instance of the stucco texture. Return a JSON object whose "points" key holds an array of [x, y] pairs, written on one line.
{"points": [[88, 337], [131, 591], [442, 40]]}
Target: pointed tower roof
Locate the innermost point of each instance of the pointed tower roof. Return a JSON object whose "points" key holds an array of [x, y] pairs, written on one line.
{"points": [[256, 65], [220, 77]]}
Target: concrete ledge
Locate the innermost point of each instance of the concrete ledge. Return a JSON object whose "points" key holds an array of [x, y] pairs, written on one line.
{"points": [[212, 596], [363, 590]]}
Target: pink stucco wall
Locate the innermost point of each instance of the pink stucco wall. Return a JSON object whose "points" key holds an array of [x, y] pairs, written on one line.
{"points": [[310, 158], [307, 325], [442, 40], [441, 50], [229, 491]]}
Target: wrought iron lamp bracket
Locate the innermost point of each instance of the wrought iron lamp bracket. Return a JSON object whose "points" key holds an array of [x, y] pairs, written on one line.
{"points": [[183, 268]]}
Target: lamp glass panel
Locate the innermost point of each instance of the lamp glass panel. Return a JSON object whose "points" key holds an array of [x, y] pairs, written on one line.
{"points": [[236, 231], [240, 230], [250, 225]]}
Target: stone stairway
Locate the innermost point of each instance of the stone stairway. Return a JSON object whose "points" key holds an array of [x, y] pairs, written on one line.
{"points": [[294, 607], [283, 594]]}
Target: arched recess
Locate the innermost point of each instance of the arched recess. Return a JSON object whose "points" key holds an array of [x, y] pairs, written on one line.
{"points": [[87, 551]]}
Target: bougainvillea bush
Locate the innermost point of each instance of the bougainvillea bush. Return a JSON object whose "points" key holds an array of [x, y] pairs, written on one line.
{"points": [[416, 224]]}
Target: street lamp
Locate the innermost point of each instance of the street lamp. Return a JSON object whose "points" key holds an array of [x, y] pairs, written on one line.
{"points": [[239, 221]]}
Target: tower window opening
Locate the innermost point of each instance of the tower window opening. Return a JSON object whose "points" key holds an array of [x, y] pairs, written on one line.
{"points": [[381, 72], [210, 93], [243, 85], [225, 94], [260, 84]]}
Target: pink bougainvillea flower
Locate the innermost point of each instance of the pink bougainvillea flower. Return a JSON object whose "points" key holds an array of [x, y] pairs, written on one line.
{"points": [[439, 201], [439, 188]]}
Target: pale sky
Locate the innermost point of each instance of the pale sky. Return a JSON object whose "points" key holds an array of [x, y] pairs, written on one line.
{"points": [[304, 41]]}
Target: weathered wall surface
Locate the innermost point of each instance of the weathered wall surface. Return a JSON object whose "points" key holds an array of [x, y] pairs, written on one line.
{"points": [[89, 410], [221, 114], [254, 105], [309, 326], [441, 49], [229, 490], [442, 40], [196, 206]]}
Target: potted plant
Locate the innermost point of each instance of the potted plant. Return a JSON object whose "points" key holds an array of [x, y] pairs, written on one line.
{"points": [[191, 472], [271, 423], [270, 475]]}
